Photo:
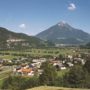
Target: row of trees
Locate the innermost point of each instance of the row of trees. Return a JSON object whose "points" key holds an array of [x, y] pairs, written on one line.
{"points": [[77, 77]]}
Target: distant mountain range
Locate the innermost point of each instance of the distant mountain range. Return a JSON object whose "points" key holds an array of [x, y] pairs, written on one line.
{"points": [[9, 39], [63, 33]]}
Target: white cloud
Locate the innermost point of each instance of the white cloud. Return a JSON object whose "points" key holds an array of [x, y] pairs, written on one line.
{"points": [[22, 26], [71, 7]]}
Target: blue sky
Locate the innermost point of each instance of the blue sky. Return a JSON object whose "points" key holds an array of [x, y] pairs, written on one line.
{"points": [[34, 16]]}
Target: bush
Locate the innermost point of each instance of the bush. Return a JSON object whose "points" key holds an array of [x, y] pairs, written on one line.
{"points": [[19, 83]]}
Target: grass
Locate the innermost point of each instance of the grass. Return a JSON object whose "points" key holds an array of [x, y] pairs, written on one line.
{"points": [[11, 54], [62, 72], [54, 88], [4, 75], [8, 57], [41, 52], [36, 52]]}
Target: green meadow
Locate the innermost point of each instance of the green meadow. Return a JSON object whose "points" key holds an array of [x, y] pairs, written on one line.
{"points": [[10, 54]]}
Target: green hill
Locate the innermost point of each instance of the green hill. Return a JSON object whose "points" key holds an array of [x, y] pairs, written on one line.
{"points": [[9, 39]]}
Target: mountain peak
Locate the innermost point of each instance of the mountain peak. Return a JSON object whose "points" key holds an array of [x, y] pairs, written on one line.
{"points": [[62, 23], [63, 33]]}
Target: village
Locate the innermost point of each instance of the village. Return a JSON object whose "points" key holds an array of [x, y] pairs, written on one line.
{"points": [[30, 67]]}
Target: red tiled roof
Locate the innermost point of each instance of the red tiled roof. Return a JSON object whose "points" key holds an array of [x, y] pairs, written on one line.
{"points": [[27, 70]]}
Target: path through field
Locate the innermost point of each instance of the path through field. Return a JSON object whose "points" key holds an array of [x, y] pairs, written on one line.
{"points": [[54, 88]]}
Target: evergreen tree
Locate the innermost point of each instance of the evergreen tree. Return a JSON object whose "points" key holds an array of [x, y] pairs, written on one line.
{"points": [[48, 75], [87, 65]]}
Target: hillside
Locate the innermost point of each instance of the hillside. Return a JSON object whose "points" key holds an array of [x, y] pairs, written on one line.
{"points": [[63, 33], [9, 39]]}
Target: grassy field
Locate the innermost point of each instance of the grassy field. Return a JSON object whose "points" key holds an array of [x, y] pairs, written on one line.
{"points": [[62, 72], [10, 54], [54, 88], [39, 52], [9, 57], [4, 74]]}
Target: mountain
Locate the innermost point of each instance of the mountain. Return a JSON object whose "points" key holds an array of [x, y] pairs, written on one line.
{"points": [[63, 33], [9, 39]]}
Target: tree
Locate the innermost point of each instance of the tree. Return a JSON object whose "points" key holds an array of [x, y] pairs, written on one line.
{"points": [[48, 75], [61, 57], [76, 77], [87, 65], [87, 81], [19, 83]]}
